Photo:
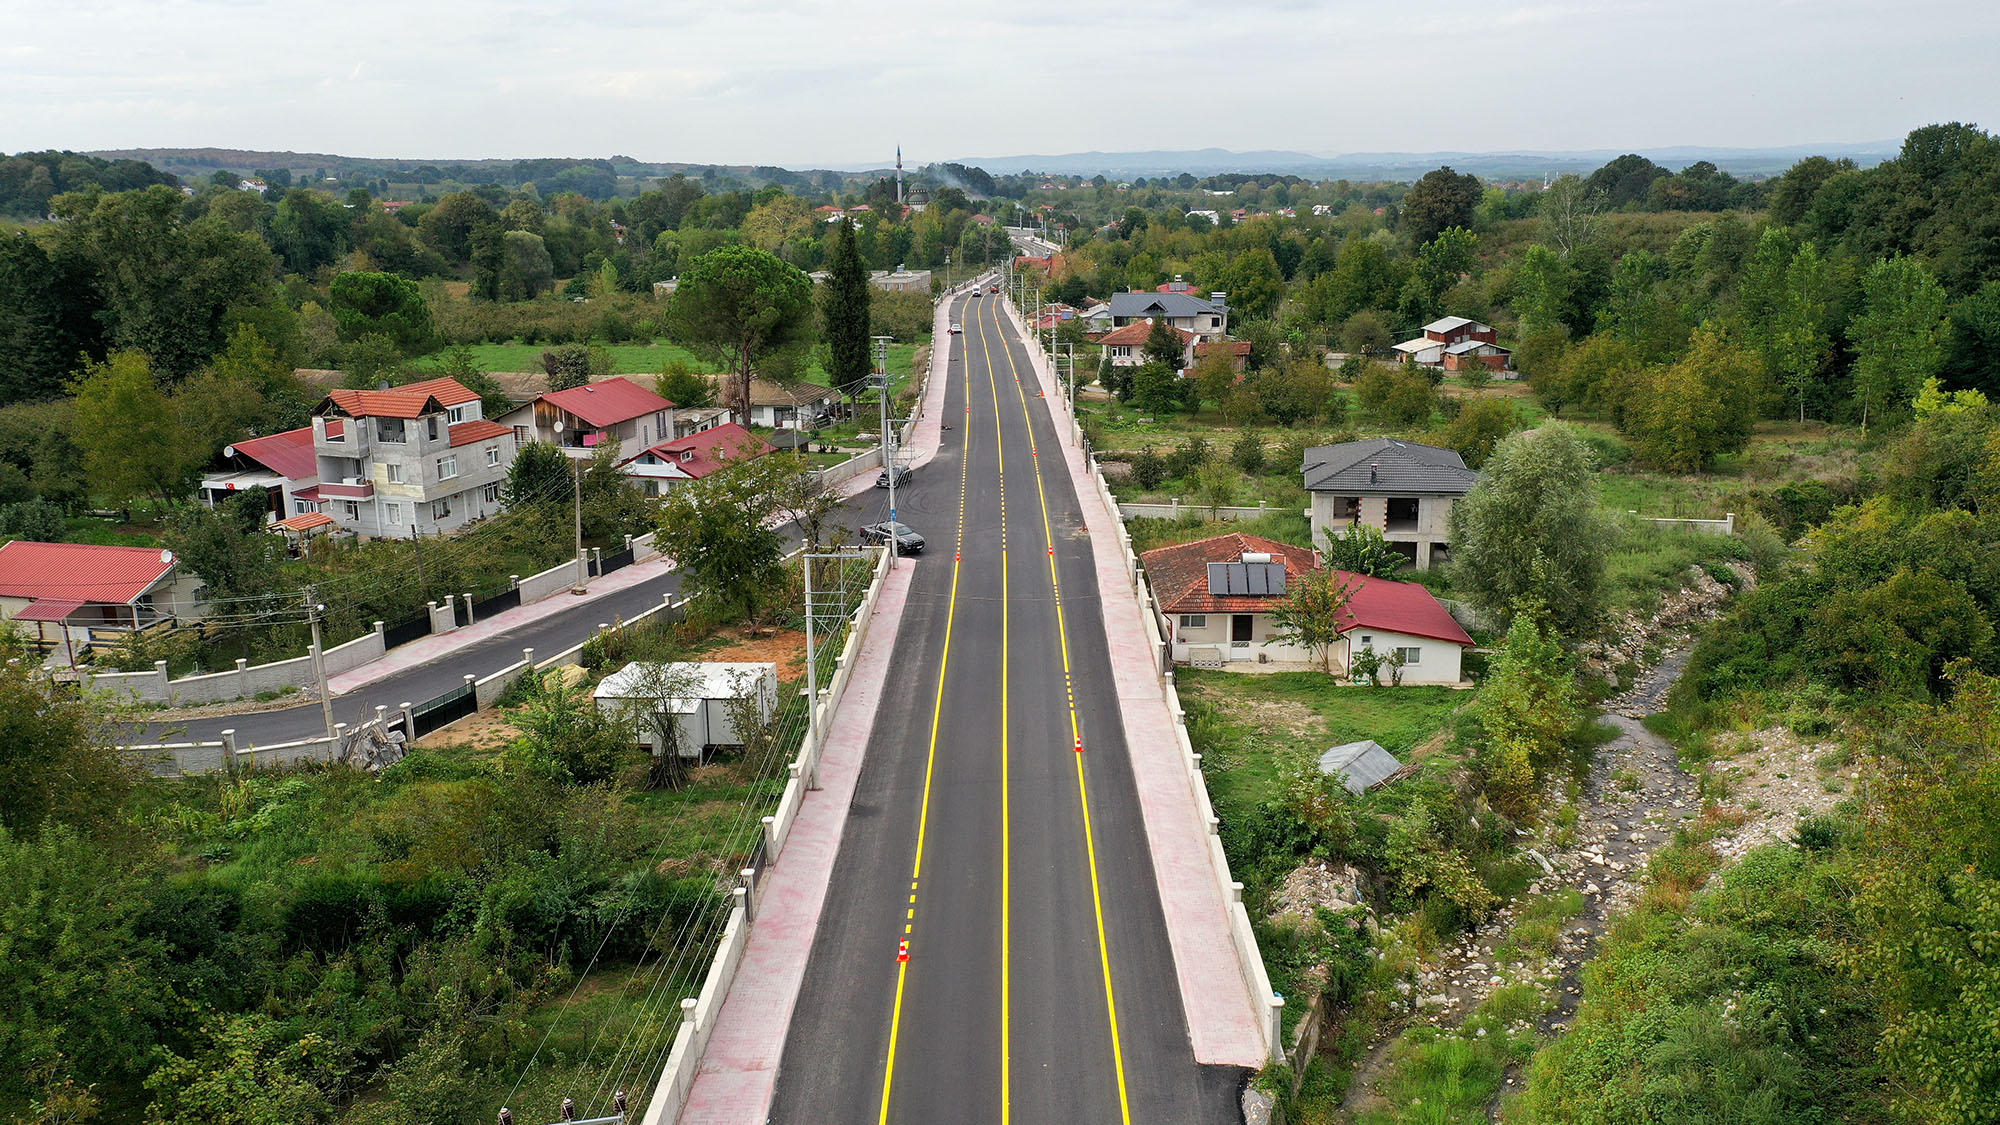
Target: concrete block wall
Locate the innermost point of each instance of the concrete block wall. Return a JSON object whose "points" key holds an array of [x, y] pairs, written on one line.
{"points": [[1175, 510], [241, 682], [559, 578]]}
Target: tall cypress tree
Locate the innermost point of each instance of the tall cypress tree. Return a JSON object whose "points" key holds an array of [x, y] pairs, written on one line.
{"points": [[847, 314]]}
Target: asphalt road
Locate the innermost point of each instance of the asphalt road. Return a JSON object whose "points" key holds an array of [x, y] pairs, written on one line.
{"points": [[427, 681], [1039, 985]]}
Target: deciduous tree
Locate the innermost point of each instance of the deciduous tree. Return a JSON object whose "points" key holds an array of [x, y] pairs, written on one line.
{"points": [[1311, 616], [1530, 531], [125, 425], [1700, 407], [1899, 336]]}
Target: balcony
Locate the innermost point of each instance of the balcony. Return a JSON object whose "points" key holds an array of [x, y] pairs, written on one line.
{"points": [[353, 488]]}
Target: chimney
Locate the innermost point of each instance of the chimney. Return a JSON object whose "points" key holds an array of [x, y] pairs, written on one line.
{"points": [[1373, 476]]}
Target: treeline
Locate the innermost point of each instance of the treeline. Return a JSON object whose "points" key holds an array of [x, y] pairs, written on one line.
{"points": [[29, 180]]}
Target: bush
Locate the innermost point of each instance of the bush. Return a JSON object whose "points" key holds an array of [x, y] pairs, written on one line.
{"points": [[1248, 454], [1192, 455], [1149, 470]]}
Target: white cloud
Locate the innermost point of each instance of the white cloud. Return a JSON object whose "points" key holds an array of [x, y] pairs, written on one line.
{"points": [[806, 82]]}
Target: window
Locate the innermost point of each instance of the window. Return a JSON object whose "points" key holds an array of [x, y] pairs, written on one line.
{"points": [[447, 467], [491, 493], [492, 455], [433, 426], [353, 510], [1367, 641], [392, 513], [390, 430], [441, 510], [520, 433], [1410, 655], [301, 507], [456, 414], [1194, 621], [660, 422], [393, 472]]}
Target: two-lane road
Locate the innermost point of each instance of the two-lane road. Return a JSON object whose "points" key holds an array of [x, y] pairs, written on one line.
{"points": [[1038, 985]]}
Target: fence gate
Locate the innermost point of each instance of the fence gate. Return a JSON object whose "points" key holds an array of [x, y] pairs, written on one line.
{"points": [[461, 612], [616, 559], [447, 708], [404, 632]]}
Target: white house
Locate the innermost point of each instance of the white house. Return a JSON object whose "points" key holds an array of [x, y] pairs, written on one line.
{"points": [[282, 464], [1219, 597], [1127, 346], [693, 457], [579, 419], [65, 596], [705, 716]]}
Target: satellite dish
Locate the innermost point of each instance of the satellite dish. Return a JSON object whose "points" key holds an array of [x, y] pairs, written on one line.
{"points": [[166, 556]]}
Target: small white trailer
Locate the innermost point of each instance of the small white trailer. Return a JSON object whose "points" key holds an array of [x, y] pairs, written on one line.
{"points": [[700, 695]]}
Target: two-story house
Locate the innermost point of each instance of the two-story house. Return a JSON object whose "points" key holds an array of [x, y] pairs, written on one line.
{"points": [[1400, 488], [411, 460], [1454, 342], [1207, 317], [283, 464], [579, 419], [693, 457]]}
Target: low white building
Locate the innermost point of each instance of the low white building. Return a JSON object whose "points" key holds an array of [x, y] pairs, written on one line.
{"points": [[700, 695], [1219, 598]]}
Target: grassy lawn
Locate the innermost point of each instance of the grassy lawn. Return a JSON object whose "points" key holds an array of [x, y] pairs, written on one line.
{"points": [[1285, 527], [644, 359], [1247, 722]]}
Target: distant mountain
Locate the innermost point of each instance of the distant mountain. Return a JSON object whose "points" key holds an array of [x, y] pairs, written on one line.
{"points": [[1527, 164]]}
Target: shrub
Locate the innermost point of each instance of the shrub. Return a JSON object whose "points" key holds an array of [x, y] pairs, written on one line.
{"points": [[1248, 453], [1149, 470]]}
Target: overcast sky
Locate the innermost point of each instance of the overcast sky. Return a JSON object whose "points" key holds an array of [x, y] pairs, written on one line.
{"points": [[838, 84]]}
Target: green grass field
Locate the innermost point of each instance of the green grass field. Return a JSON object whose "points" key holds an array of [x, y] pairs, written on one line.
{"points": [[636, 359], [1251, 721]]}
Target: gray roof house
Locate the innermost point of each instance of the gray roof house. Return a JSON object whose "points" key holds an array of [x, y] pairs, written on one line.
{"points": [[1361, 765], [1206, 317], [1400, 488]]}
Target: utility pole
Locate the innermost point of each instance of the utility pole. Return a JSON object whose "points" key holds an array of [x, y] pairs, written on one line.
{"points": [[813, 610], [582, 574], [313, 610], [888, 438]]}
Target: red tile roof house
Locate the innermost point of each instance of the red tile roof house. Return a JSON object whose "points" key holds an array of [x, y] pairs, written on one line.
{"points": [[412, 460], [65, 596], [1217, 596], [1127, 345], [281, 463], [579, 419], [693, 457]]}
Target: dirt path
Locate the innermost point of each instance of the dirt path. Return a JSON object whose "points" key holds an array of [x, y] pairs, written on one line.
{"points": [[1634, 798]]}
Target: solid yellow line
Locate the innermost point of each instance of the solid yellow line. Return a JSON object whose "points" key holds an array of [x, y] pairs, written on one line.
{"points": [[930, 760], [1076, 732], [1006, 806]]}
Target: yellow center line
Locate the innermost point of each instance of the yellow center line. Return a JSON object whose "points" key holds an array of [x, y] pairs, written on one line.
{"points": [[1006, 807], [930, 760], [1076, 734]]}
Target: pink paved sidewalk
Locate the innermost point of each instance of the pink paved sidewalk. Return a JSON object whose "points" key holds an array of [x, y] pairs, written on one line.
{"points": [[738, 1075], [1222, 1016]]}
